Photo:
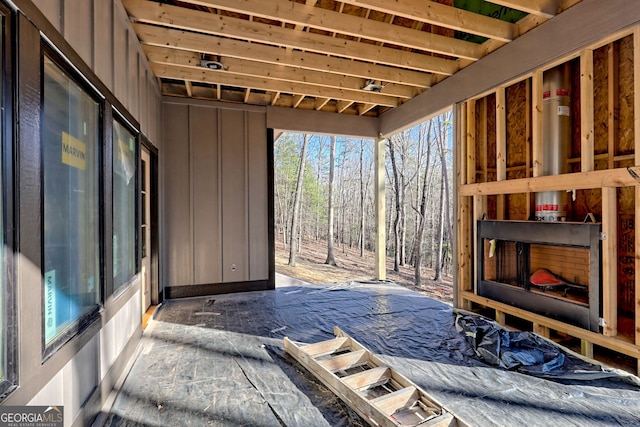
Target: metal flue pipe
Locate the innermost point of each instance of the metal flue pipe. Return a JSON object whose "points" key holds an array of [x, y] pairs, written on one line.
{"points": [[556, 145]]}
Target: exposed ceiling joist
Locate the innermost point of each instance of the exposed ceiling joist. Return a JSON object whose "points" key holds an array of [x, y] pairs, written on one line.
{"points": [[198, 74], [349, 57], [203, 22], [328, 20], [163, 55], [220, 46], [434, 13]]}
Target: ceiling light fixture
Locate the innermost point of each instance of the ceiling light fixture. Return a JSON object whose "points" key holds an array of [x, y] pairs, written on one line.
{"points": [[212, 65], [372, 86]]}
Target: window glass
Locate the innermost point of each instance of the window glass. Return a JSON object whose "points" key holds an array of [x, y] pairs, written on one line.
{"points": [[3, 294], [71, 165], [124, 205]]}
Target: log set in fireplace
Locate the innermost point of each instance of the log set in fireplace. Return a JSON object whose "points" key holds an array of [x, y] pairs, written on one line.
{"points": [[510, 252]]}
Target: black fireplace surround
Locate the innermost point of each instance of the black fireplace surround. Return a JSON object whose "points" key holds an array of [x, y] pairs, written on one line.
{"points": [[524, 233]]}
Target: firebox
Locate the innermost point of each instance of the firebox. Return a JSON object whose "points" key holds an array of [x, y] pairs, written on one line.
{"points": [[548, 268]]}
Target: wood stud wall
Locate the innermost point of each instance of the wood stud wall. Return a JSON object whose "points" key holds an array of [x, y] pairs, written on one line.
{"points": [[500, 140]]}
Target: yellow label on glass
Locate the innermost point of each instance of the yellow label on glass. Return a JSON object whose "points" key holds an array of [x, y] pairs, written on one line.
{"points": [[74, 151]]}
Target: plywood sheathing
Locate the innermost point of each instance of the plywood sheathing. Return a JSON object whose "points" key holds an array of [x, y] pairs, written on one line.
{"points": [[518, 146]]}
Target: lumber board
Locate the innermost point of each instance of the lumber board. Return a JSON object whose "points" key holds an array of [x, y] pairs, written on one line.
{"points": [[620, 177], [369, 378], [326, 347], [612, 343], [398, 399], [345, 361], [397, 408]]}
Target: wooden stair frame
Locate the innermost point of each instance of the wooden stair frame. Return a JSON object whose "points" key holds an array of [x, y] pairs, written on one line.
{"points": [[333, 360]]}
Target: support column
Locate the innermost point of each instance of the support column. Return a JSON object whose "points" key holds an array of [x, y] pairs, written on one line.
{"points": [[380, 196]]}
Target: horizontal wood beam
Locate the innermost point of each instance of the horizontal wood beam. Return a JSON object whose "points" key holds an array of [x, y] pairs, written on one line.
{"points": [[442, 15], [322, 123], [611, 343], [225, 47], [208, 23], [355, 26], [622, 177], [204, 75], [545, 8], [162, 55]]}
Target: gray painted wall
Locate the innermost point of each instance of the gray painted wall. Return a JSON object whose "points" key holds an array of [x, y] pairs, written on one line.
{"points": [[215, 226]]}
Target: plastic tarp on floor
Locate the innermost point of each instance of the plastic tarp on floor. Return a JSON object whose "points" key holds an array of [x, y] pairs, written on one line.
{"points": [[220, 359]]}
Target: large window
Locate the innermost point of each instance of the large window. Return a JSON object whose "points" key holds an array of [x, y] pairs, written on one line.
{"points": [[3, 291], [124, 205], [71, 230]]}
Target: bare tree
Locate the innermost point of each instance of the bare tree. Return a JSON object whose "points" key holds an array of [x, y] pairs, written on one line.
{"points": [[296, 203], [417, 250], [331, 260]]}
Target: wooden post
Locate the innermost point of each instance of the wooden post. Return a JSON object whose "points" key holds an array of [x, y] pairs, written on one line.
{"points": [[542, 330], [536, 124], [463, 236], [609, 262], [612, 62], [501, 147], [636, 124], [501, 317], [471, 141], [586, 111], [381, 247], [586, 348], [479, 210], [528, 127]]}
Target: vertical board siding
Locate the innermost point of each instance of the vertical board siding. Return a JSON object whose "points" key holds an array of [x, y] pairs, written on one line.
{"points": [[52, 10], [258, 197], [132, 101], [103, 41], [78, 27], [177, 200], [203, 137], [234, 196], [120, 55]]}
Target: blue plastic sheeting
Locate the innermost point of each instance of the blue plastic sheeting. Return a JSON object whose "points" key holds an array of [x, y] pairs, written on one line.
{"points": [[205, 355]]}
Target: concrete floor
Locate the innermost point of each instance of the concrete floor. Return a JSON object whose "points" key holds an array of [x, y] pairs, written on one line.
{"points": [[218, 361]]}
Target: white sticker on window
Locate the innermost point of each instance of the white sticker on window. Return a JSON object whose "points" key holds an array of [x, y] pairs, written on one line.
{"points": [[50, 305], [563, 110]]}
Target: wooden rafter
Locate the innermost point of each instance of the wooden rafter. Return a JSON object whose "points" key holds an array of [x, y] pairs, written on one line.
{"points": [[313, 54], [204, 75], [221, 46], [327, 20], [203, 22], [163, 55]]}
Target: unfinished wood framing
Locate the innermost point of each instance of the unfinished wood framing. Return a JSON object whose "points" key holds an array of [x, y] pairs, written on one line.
{"points": [[586, 110], [381, 252], [603, 182], [378, 393]]}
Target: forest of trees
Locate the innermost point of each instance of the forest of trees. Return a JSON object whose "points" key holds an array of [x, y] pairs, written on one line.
{"points": [[329, 197]]}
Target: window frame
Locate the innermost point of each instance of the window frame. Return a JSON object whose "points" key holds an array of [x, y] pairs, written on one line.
{"points": [[122, 121], [80, 324], [8, 206]]}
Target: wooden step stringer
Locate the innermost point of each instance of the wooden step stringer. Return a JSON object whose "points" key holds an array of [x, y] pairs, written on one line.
{"points": [[378, 393]]}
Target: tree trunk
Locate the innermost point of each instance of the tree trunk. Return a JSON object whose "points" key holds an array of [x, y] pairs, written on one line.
{"points": [[296, 203], [331, 260], [417, 250], [361, 198], [396, 221], [438, 266]]}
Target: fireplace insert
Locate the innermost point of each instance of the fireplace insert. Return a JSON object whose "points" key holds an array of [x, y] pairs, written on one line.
{"points": [[548, 268]]}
